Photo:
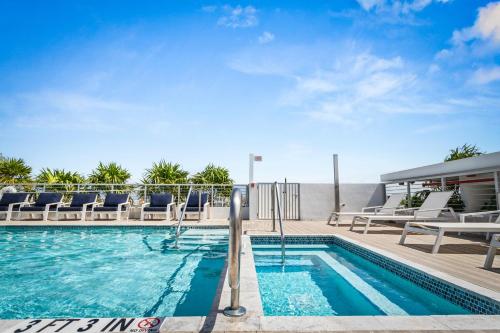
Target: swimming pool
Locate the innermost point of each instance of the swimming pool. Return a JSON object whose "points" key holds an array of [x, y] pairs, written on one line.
{"points": [[108, 272], [331, 280]]}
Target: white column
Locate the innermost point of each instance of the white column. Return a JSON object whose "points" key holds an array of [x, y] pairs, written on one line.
{"points": [[251, 159], [497, 187], [408, 193], [336, 184]]}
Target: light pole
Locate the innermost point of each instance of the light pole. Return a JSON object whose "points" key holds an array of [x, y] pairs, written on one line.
{"points": [[251, 159]]}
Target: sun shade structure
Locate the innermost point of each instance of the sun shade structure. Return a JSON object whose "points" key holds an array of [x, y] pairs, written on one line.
{"points": [[475, 180]]}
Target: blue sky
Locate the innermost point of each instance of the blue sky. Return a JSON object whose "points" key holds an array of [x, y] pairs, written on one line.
{"points": [[387, 85]]}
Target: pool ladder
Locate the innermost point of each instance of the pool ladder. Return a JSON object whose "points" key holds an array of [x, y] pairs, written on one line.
{"points": [[181, 218], [276, 208]]}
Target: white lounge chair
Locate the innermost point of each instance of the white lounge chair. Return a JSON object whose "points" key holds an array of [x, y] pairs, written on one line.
{"points": [[159, 204], [392, 203], [431, 210], [438, 229], [494, 245]]}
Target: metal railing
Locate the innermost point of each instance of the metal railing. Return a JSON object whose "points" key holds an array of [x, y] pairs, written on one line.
{"points": [[219, 194], [234, 255], [276, 208], [181, 218], [471, 193]]}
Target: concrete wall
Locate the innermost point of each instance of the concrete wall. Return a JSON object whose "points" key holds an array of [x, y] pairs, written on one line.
{"points": [[316, 200]]}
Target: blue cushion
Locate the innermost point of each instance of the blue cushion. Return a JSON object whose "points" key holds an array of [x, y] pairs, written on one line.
{"points": [[108, 209], [114, 199], [8, 198], [194, 199], [35, 208], [193, 209], [80, 199], [155, 209], [6, 208], [160, 199], [47, 198], [73, 209]]}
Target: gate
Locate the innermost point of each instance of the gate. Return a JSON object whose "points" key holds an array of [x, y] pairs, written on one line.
{"points": [[290, 200]]}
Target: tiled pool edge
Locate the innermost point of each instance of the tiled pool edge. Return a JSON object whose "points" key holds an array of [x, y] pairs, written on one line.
{"points": [[475, 298]]}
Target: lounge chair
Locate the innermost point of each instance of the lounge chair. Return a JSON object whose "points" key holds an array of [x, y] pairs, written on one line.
{"points": [[438, 229], [197, 204], [81, 203], [114, 203], [159, 204], [11, 202], [431, 210], [392, 203], [494, 245], [45, 203]]}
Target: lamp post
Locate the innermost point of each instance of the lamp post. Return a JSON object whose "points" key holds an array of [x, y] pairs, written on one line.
{"points": [[251, 159]]}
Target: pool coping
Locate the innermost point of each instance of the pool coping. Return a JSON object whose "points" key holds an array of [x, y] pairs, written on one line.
{"points": [[255, 321]]}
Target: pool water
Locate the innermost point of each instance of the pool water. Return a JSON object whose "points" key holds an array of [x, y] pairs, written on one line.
{"points": [[327, 280], [108, 272]]}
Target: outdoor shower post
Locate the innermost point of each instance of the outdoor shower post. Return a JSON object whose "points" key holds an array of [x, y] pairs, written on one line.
{"points": [[336, 185], [234, 255]]}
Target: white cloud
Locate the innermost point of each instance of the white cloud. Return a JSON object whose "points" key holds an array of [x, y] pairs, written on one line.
{"points": [[266, 37], [238, 17], [354, 88], [369, 4], [486, 75], [397, 7], [68, 110], [486, 27]]}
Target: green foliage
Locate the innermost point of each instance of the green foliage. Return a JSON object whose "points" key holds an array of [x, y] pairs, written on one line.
{"points": [[463, 152], [212, 175], [165, 173], [416, 199], [111, 173], [59, 176], [14, 170]]}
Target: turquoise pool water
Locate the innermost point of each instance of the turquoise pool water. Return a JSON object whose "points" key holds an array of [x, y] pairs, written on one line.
{"points": [[327, 280], [108, 272]]}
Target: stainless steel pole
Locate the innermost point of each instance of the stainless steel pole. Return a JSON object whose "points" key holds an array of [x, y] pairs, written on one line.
{"points": [[234, 255], [273, 204], [408, 194], [336, 185]]}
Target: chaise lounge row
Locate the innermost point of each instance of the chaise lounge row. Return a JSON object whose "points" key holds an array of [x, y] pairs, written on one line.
{"points": [[433, 217], [83, 204]]}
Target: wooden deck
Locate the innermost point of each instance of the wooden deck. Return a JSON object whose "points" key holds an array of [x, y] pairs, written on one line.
{"points": [[462, 257]]}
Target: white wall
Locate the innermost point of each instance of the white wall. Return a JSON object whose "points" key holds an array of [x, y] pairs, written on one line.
{"points": [[316, 200]]}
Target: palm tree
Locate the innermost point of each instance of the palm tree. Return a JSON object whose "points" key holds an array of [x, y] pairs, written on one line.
{"points": [[51, 176], [212, 175], [14, 170], [111, 173], [463, 152], [165, 173]]}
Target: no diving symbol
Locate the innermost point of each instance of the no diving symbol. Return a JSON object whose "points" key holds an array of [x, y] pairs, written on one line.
{"points": [[148, 323]]}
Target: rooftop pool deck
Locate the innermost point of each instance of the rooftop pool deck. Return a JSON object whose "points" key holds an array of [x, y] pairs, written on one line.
{"points": [[459, 261]]}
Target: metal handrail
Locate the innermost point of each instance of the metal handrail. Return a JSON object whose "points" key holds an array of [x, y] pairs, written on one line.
{"points": [[234, 255], [282, 233], [183, 212]]}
